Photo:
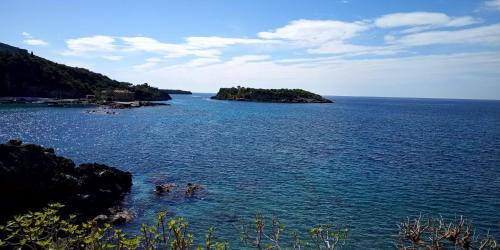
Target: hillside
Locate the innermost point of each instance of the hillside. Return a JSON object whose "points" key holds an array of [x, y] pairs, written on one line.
{"points": [[269, 95], [24, 74]]}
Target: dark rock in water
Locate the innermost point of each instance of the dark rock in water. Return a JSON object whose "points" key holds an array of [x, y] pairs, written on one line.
{"points": [[115, 216], [120, 216], [176, 193], [269, 95], [165, 188], [101, 219], [32, 176], [191, 189]]}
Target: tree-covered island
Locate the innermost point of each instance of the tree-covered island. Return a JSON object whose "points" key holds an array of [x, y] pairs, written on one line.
{"points": [[269, 95]]}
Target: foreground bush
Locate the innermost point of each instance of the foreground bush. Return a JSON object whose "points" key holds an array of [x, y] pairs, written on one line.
{"points": [[434, 234], [47, 230]]}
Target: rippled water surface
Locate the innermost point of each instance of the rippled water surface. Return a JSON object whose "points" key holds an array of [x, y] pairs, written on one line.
{"points": [[360, 163]]}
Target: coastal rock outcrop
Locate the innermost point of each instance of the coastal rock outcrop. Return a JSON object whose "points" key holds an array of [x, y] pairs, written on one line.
{"points": [[165, 188], [115, 216], [32, 176], [189, 191], [135, 104], [269, 95]]}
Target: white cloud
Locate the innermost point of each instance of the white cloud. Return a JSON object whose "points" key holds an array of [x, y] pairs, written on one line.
{"points": [[195, 63], [35, 42], [154, 60], [150, 63], [493, 4], [419, 21], [321, 36], [315, 32], [320, 55], [354, 50], [248, 59], [198, 62], [84, 45], [205, 47], [484, 35], [112, 57], [197, 46], [30, 40], [169, 50], [454, 75], [218, 42]]}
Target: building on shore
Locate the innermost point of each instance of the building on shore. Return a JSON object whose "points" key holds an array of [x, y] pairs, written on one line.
{"points": [[121, 95]]}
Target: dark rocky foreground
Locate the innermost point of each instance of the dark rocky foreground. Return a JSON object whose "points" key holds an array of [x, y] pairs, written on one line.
{"points": [[269, 95], [32, 176]]}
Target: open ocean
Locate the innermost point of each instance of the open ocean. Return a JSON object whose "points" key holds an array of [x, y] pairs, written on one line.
{"points": [[360, 163]]}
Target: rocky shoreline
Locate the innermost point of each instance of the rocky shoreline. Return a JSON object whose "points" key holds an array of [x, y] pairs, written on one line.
{"points": [[32, 176], [82, 102]]}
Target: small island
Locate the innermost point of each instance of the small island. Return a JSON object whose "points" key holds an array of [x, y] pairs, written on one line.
{"points": [[269, 95]]}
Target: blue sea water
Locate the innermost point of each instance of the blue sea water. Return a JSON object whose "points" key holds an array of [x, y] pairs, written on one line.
{"points": [[360, 163]]}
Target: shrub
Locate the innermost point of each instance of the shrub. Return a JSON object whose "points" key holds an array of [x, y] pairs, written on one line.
{"points": [[47, 230], [434, 234]]}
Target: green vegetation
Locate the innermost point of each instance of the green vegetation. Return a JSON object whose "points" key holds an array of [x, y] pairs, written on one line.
{"points": [[24, 74], [47, 230], [269, 95]]}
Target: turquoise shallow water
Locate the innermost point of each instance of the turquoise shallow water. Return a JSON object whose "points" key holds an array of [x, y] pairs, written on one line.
{"points": [[361, 163]]}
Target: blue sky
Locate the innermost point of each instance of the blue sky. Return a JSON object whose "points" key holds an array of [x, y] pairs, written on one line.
{"points": [[448, 49]]}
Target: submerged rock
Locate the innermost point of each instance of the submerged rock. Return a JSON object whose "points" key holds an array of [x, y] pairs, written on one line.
{"points": [[168, 187], [171, 188], [101, 219], [32, 176], [120, 216], [191, 189]]}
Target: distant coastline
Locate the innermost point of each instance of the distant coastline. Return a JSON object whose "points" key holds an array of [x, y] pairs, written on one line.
{"points": [[25, 76], [176, 92]]}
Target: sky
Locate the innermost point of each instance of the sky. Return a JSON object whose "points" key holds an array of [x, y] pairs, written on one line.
{"points": [[391, 48]]}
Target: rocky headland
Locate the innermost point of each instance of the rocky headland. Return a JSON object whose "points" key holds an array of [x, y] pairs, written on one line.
{"points": [[25, 76], [32, 176], [269, 95]]}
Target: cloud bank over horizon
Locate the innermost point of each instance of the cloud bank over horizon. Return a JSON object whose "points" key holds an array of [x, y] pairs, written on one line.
{"points": [[409, 54]]}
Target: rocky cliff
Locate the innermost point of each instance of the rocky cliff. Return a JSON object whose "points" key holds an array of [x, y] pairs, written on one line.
{"points": [[32, 176]]}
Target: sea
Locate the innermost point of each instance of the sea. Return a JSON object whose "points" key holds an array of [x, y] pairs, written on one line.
{"points": [[361, 163]]}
